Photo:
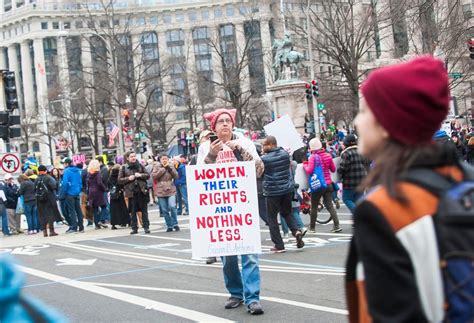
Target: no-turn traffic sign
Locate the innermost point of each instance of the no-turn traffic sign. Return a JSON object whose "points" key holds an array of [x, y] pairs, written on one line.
{"points": [[9, 163]]}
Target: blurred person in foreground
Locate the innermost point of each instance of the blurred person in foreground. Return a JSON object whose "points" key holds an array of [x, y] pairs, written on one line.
{"points": [[393, 269]]}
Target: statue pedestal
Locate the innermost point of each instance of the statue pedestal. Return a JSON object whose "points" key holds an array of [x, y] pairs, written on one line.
{"points": [[288, 97]]}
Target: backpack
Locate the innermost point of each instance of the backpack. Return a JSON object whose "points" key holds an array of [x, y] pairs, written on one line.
{"points": [[41, 191], [316, 180], [454, 225]]}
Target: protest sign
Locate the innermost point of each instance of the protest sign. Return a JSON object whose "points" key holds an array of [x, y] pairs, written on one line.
{"points": [[223, 204], [285, 133], [79, 159]]}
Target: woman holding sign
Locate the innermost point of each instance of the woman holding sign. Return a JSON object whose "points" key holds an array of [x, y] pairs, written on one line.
{"points": [[225, 147]]}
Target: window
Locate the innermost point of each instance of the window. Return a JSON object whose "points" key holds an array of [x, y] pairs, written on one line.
{"points": [[192, 16], [167, 19], [229, 10], [140, 21], [103, 24], [66, 25], [55, 25], [217, 13], [179, 17], [202, 49], [44, 25], [205, 15], [243, 10], [174, 35], [203, 64], [227, 30], [154, 20], [200, 33], [79, 24]]}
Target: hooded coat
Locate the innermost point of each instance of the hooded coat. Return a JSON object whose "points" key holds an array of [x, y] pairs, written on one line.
{"points": [[96, 190]]}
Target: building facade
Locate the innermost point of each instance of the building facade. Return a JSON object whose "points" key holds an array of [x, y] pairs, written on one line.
{"points": [[168, 58]]}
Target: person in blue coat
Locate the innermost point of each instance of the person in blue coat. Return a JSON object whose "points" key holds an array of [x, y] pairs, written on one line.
{"points": [[181, 188], [71, 188], [14, 305]]}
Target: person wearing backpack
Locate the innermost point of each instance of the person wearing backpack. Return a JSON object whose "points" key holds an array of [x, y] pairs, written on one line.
{"points": [[48, 212], [394, 272], [319, 156]]}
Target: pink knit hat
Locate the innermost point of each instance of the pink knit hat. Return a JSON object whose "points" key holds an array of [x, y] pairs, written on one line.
{"points": [[213, 116]]}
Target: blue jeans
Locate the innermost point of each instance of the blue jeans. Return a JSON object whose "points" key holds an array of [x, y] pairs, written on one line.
{"points": [[64, 212], [105, 214], [31, 214], [335, 189], [182, 195], [4, 216], [73, 207], [245, 285], [168, 210], [296, 214], [350, 197], [99, 215]]}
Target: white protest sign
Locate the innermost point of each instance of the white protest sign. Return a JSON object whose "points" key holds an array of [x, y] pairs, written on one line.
{"points": [[223, 202], [285, 133]]}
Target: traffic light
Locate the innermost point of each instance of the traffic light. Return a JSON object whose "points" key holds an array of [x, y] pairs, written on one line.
{"points": [[471, 48], [6, 123], [309, 127], [321, 106], [309, 95], [315, 88], [11, 96], [312, 89]]}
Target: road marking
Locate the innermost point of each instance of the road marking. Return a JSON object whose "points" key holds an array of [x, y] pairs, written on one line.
{"points": [[25, 252], [131, 299], [75, 262], [270, 299], [164, 238], [186, 262]]}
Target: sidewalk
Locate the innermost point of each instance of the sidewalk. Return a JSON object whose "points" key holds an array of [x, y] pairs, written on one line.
{"points": [[20, 240]]}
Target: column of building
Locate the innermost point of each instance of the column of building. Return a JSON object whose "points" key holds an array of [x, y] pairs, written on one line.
{"points": [[267, 50], [217, 72], [27, 71], [164, 55], [240, 44], [385, 29], [42, 98], [192, 73], [3, 59]]}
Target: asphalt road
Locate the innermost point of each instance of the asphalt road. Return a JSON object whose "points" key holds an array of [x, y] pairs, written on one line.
{"points": [[110, 276]]}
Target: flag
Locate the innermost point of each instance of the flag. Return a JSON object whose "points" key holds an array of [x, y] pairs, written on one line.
{"points": [[113, 132]]}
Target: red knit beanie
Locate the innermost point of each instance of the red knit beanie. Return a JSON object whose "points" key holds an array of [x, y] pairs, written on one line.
{"points": [[409, 100]]}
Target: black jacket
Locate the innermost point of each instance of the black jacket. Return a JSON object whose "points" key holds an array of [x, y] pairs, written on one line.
{"points": [[27, 189], [11, 193], [277, 179]]}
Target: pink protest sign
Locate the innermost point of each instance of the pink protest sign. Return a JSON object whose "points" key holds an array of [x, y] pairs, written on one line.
{"points": [[79, 159]]}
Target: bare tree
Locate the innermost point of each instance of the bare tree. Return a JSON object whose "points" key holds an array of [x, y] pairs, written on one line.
{"points": [[344, 35], [240, 80], [120, 68]]}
